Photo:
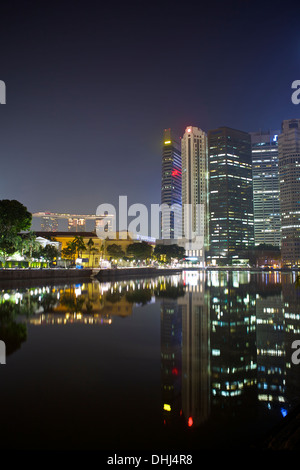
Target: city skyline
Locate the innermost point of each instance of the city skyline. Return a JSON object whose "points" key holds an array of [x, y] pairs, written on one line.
{"points": [[87, 99]]}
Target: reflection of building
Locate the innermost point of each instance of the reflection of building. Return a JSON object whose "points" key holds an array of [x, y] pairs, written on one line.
{"points": [[232, 340], [195, 350], [171, 369], [289, 175], [271, 356], [266, 188], [171, 186], [230, 194]]}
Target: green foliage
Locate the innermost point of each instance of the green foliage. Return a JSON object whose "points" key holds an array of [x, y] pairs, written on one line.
{"points": [[139, 250], [165, 253], [14, 218], [49, 252], [115, 251]]}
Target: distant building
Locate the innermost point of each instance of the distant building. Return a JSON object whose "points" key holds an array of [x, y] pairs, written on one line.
{"points": [[195, 192], [266, 204], [171, 186], [289, 183], [76, 225], [49, 224], [75, 222], [230, 195]]}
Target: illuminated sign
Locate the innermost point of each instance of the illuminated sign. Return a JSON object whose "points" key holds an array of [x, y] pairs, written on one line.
{"points": [[167, 142]]}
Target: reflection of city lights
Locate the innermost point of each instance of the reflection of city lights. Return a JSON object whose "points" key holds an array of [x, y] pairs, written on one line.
{"points": [[175, 371], [167, 407], [190, 421]]}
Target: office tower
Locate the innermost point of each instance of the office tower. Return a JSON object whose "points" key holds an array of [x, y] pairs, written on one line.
{"points": [[49, 224], [171, 186], [231, 230], [265, 175], [195, 192], [76, 224], [289, 185]]}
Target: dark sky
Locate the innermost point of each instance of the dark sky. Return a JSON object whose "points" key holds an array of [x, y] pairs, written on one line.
{"points": [[91, 86]]}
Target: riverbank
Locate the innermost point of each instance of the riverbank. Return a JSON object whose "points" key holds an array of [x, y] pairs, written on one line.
{"points": [[126, 273], [112, 274], [43, 274]]}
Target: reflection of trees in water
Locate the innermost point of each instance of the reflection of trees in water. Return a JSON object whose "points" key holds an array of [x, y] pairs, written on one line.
{"points": [[11, 332], [48, 301], [73, 302], [142, 296], [170, 291]]}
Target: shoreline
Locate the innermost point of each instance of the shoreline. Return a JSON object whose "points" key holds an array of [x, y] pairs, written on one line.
{"points": [[53, 274]]}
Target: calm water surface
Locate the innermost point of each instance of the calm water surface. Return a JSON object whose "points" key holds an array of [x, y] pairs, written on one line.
{"points": [[191, 361]]}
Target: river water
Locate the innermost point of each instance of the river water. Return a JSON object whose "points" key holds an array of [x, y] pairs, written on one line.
{"points": [[198, 360]]}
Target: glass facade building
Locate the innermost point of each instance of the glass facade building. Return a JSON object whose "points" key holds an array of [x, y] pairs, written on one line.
{"points": [[266, 203], [231, 230], [195, 192], [171, 186], [289, 184]]}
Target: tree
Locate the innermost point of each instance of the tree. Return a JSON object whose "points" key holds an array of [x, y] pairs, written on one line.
{"points": [[69, 251], [29, 245], [166, 253], [14, 218], [115, 251], [49, 252], [92, 249], [139, 250], [79, 244]]}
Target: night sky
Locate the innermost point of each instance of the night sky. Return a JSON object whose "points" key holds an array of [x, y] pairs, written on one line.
{"points": [[92, 85]]}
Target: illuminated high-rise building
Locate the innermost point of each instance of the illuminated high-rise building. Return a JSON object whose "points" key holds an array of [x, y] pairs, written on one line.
{"points": [[231, 231], [265, 174], [49, 224], [171, 186], [289, 184], [195, 192], [76, 225]]}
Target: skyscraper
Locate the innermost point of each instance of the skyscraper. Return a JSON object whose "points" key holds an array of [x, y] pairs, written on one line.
{"points": [[231, 229], [195, 192], [171, 186], [265, 174], [289, 184]]}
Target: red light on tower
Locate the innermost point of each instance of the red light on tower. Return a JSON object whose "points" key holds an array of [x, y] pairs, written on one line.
{"points": [[175, 172]]}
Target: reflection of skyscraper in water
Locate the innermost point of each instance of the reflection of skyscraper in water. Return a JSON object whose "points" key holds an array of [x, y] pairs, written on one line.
{"points": [[195, 350], [291, 306], [171, 359], [271, 357], [233, 348]]}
